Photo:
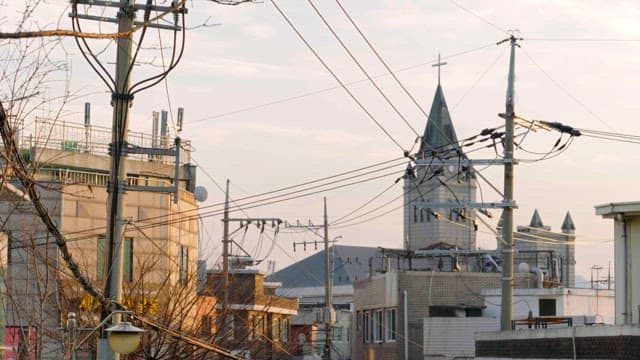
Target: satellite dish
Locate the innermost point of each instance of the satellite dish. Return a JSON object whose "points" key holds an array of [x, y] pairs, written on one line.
{"points": [[201, 194], [302, 338], [523, 267]]}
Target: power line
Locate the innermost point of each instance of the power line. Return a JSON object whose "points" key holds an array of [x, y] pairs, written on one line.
{"points": [[375, 85], [335, 76], [566, 92], [327, 89], [478, 16]]}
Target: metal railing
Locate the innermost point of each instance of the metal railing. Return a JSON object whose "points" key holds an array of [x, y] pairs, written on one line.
{"points": [[68, 176], [95, 140]]}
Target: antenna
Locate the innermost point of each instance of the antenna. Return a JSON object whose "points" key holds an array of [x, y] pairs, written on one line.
{"points": [[180, 118], [87, 114]]}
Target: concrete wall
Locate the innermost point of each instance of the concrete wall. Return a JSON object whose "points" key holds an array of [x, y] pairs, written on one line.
{"points": [[569, 302], [428, 230], [626, 233], [592, 342], [449, 338], [423, 290]]}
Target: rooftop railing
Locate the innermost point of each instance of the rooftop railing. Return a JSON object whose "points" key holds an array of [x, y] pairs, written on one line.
{"points": [[95, 140]]}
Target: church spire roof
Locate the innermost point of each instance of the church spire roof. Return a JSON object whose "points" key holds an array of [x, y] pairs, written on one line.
{"points": [[567, 224], [439, 133], [536, 221]]}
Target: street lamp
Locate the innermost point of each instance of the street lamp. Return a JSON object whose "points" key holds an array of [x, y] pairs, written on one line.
{"points": [[124, 338]]}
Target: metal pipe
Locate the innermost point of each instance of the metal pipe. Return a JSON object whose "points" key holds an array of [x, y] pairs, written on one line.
{"points": [[405, 308], [539, 277]]}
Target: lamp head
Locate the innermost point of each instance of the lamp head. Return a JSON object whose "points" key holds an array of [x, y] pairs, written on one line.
{"points": [[124, 338]]}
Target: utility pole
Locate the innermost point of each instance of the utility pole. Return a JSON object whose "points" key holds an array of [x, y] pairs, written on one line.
{"points": [[329, 317], [227, 241], [507, 229], [225, 250], [328, 293], [121, 101]]}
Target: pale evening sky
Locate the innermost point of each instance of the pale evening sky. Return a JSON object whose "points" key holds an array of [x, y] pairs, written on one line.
{"points": [[577, 65]]}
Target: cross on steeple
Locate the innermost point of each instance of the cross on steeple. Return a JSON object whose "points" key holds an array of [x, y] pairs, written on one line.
{"points": [[439, 64]]}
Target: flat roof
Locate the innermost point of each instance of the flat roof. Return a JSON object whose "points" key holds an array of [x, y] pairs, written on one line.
{"points": [[611, 209]]}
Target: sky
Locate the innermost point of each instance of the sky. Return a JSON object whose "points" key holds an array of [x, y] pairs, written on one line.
{"points": [[262, 111]]}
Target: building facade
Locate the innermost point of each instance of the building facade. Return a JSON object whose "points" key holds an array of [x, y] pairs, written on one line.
{"points": [[70, 163], [255, 323]]}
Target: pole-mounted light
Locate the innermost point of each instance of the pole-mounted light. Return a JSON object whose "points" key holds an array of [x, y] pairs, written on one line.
{"points": [[124, 338]]}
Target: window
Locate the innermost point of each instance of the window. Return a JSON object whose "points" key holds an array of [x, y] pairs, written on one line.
{"points": [[378, 325], [250, 327], [205, 325], [390, 325], [184, 265], [285, 330], [337, 333], [258, 326], [365, 327], [228, 326], [415, 214], [101, 258], [547, 307], [275, 329]]}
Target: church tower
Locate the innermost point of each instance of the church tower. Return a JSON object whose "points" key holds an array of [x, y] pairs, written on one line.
{"points": [[427, 228]]}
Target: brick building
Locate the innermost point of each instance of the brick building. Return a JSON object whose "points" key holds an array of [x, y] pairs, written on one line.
{"points": [[256, 322]]}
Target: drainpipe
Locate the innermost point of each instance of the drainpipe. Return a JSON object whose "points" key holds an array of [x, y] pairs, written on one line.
{"points": [[627, 270], [540, 277], [406, 324]]}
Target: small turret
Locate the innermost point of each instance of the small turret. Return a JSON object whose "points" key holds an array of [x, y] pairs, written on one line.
{"points": [[536, 221], [568, 227]]}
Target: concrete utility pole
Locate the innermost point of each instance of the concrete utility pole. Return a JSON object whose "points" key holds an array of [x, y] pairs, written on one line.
{"points": [[328, 293], [507, 229], [225, 250], [121, 101], [328, 274]]}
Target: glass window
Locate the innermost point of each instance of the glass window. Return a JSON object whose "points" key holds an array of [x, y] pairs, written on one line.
{"points": [[102, 255], [547, 307], [258, 327], [127, 260], [377, 326], [365, 327], [285, 330], [390, 325], [184, 265], [275, 329], [101, 258]]}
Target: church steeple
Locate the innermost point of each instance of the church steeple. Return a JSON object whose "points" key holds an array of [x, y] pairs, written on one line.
{"points": [[439, 184], [439, 133]]}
